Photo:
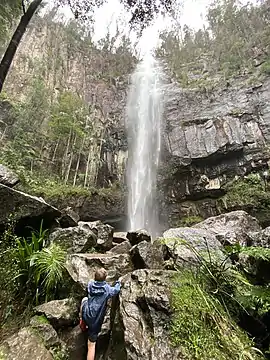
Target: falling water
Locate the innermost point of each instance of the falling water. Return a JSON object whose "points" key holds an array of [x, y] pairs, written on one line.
{"points": [[144, 113]]}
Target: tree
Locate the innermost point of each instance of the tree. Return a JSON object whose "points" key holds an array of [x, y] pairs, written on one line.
{"points": [[142, 12]]}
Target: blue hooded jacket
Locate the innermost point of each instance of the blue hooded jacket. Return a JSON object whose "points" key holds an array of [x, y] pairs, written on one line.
{"points": [[98, 294]]}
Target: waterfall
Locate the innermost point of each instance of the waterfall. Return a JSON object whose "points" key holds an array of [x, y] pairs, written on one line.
{"points": [[144, 115]]}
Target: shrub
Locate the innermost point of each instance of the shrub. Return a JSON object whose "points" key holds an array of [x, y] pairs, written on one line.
{"points": [[40, 268]]}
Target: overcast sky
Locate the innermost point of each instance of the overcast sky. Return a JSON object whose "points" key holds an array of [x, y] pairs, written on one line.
{"points": [[192, 13]]}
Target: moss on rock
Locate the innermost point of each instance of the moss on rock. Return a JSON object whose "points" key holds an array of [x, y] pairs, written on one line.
{"points": [[201, 326]]}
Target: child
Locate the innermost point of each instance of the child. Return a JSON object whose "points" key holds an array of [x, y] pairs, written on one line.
{"points": [[93, 308]]}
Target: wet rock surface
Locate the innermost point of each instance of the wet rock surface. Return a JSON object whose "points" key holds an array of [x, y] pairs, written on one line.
{"points": [[60, 313], [104, 233], [147, 256], [231, 228], [208, 140], [26, 209], [182, 244], [135, 237], [45, 330], [143, 318], [119, 237], [122, 248], [74, 239], [8, 177], [82, 267], [69, 218], [25, 345]]}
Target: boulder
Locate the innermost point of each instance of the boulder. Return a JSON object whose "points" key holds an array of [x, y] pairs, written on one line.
{"points": [[45, 330], [260, 238], [8, 177], [27, 210], [232, 227], [24, 345], [119, 237], [69, 218], [182, 244], [122, 248], [76, 343], [60, 313], [82, 267], [74, 239], [147, 256], [143, 318], [135, 237], [104, 233]]}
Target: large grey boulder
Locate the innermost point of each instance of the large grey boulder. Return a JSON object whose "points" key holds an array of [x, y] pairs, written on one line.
{"points": [[186, 245], [76, 343], [104, 233], [232, 227], [60, 313], [24, 345], [82, 267], [260, 238], [122, 248], [143, 317], [8, 177], [147, 256], [45, 330], [119, 237], [74, 239], [69, 218], [27, 210], [135, 237]]}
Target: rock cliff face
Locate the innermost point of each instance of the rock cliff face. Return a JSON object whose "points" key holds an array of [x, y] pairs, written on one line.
{"points": [[208, 138], [65, 62], [208, 141]]}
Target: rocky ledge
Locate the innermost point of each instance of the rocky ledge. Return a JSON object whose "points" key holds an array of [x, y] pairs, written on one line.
{"points": [[138, 324]]}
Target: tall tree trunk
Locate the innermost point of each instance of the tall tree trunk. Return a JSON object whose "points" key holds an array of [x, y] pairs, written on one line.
{"points": [[15, 41], [71, 159], [65, 158], [55, 149], [78, 161]]}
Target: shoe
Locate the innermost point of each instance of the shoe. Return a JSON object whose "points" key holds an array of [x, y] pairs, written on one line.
{"points": [[83, 325]]}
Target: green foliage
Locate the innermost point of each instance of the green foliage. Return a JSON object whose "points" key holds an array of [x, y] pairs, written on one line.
{"points": [[9, 11], [201, 326], [31, 271], [60, 353], [40, 268], [256, 252], [9, 270], [25, 251], [226, 47], [207, 301], [249, 191], [189, 221], [49, 269], [265, 68]]}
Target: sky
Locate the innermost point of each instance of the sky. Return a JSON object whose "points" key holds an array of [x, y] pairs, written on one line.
{"points": [[192, 14]]}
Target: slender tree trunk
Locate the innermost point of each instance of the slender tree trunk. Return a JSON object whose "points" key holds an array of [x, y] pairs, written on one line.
{"points": [[70, 162], [15, 41], [64, 162], [55, 150], [87, 167], [78, 162]]}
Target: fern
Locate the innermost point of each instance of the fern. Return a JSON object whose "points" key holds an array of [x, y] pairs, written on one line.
{"points": [[49, 267], [259, 253]]}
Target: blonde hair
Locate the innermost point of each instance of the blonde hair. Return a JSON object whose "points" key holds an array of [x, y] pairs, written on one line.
{"points": [[100, 274]]}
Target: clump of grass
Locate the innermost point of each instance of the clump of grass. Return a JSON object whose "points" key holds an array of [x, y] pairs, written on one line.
{"points": [[202, 327], [248, 191], [188, 221]]}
